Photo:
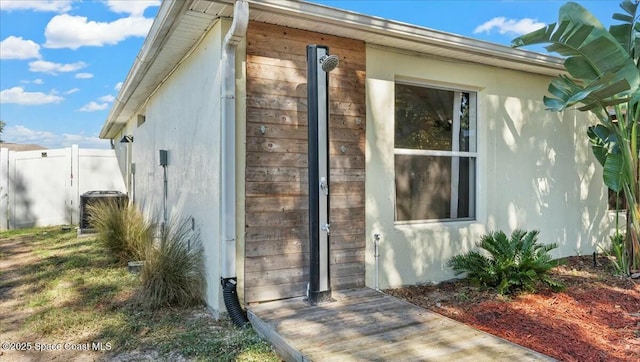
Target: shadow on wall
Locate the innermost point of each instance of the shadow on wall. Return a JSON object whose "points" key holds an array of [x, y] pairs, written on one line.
{"points": [[540, 175], [549, 164], [20, 213], [43, 190]]}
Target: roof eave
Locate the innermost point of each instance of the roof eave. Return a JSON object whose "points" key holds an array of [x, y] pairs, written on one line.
{"points": [[163, 25], [352, 24], [308, 16]]}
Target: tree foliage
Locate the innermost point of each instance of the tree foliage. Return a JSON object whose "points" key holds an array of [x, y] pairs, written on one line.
{"points": [[603, 78]]}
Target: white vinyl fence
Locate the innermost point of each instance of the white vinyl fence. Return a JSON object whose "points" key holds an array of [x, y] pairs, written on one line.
{"points": [[43, 187]]}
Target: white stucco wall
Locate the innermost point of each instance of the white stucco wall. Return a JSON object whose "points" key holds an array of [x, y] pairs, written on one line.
{"points": [[535, 169], [183, 117]]}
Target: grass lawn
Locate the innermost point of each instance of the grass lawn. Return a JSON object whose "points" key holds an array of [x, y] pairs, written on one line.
{"points": [[67, 298]]}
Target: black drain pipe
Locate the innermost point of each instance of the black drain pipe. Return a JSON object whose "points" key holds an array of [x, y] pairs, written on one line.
{"points": [[231, 302]]}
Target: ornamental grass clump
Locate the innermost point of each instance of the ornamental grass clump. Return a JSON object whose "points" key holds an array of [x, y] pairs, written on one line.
{"points": [[121, 228], [516, 263], [617, 254], [173, 273]]}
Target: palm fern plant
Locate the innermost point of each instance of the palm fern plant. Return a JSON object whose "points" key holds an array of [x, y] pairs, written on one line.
{"points": [[509, 264], [603, 78]]}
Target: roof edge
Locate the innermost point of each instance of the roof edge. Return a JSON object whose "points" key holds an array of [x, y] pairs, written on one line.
{"points": [[345, 21], [400, 30], [163, 25]]}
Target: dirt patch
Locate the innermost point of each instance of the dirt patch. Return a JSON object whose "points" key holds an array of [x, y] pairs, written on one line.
{"points": [[596, 318]]}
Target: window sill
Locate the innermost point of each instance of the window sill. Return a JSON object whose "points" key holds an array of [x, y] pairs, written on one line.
{"points": [[436, 222]]}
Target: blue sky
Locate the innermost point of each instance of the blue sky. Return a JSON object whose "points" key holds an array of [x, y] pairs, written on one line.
{"points": [[62, 61]]}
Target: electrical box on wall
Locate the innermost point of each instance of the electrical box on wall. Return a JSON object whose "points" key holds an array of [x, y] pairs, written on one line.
{"points": [[164, 157]]}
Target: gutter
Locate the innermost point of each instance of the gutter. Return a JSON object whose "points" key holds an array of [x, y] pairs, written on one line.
{"points": [[308, 16], [228, 119], [354, 25]]}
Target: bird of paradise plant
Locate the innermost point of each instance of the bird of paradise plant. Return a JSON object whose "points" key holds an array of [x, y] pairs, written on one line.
{"points": [[603, 78]]}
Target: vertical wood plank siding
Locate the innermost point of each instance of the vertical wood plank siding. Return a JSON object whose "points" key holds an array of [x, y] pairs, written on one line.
{"points": [[277, 235]]}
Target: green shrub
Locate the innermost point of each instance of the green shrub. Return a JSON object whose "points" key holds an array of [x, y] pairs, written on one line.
{"points": [[123, 229], [516, 263], [173, 273], [617, 253]]}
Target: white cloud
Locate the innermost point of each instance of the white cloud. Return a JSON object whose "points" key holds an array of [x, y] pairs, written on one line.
{"points": [[54, 68], [84, 75], [93, 107], [133, 8], [17, 95], [35, 81], [58, 6], [71, 91], [84, 141], [509, 26], [118, 86], [67, 31], [21, 134], [108, 98], [14, 47]]}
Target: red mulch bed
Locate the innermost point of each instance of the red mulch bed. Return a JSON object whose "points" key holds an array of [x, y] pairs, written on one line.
{"points": [[596, 318]]}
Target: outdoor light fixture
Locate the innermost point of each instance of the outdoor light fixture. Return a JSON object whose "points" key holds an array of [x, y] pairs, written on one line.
{"points": [[126, 139], [319, 64]]}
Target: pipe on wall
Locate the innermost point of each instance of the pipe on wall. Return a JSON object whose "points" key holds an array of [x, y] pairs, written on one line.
{"points": [[228, 118], [228, 157], [376, 256]]}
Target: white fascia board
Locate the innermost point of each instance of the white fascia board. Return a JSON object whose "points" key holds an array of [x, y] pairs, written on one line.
{"points": [[308, 16]]}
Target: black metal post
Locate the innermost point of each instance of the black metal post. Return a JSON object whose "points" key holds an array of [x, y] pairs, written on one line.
{"points": [[318, 150]]}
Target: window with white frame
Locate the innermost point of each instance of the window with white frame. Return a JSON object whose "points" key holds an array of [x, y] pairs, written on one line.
{"points": [[435, 153]]}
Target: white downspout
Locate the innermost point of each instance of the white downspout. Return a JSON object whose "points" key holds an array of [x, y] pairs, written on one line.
{"points": [[228, 118]]}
